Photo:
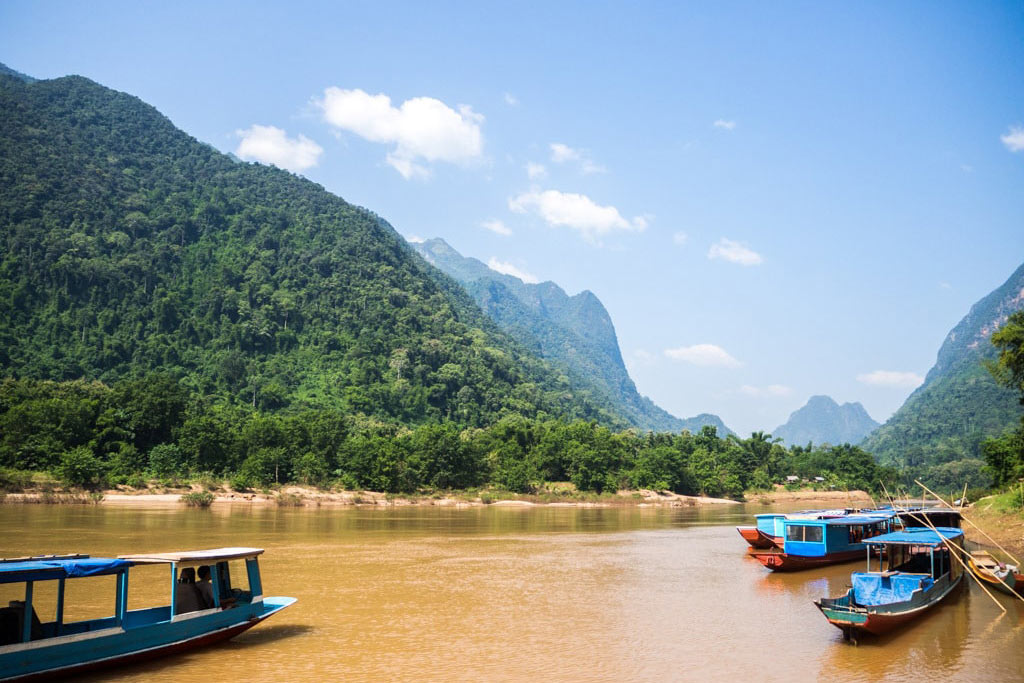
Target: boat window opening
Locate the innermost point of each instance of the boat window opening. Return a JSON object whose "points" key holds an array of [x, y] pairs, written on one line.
{"points": [[148, 587], [234, 581], [91, 597], [12, 611], [803, 533], [896, 556]]}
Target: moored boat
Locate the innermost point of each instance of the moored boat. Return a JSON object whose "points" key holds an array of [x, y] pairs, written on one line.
{"points": [[993, 573], [198, 614], [818, 542], [916, 571], [768, 531]]}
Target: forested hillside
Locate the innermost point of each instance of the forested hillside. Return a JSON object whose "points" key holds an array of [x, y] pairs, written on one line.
{"points": [[939, 430], [130, 247], [574, 333]]}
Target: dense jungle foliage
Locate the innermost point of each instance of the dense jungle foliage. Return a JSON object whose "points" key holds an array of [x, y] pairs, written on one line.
{"points": [[129, 247], [1005, 454], [90, 434]]}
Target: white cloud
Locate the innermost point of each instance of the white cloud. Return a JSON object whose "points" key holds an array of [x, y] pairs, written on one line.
{"points": [[734, 252], [421, 129], [271, 145], [511, 100], [891, 378], [770, 391], [575, 211], [536, 171], [703, 355], [724, 125], [679, 239], [415, 239], [562, 153], [496, 226], [1014, 140], [509, 269]]}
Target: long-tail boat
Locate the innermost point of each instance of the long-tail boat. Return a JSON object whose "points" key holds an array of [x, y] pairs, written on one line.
{"points": [[198, 613], [993, 573], [768, 530], [817, 542], [916, 571]]}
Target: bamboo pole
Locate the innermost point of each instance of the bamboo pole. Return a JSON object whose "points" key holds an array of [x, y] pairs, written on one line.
{"points": [[953, 554], [963, 497], [982, 532]]}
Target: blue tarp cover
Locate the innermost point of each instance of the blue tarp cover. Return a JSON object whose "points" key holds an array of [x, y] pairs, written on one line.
{"points": [[40, 570], [875, 589], [917, 536]]}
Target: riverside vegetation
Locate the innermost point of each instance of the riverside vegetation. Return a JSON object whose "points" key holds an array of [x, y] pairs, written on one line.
{"points": [[90, 435]]}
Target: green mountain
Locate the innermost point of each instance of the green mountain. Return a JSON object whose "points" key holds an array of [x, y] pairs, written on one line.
{"points": [[131, 248], [574, 333], [822, 420], [959, 405]]}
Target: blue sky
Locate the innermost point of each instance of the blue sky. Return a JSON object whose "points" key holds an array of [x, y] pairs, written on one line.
{"points": [[772, 200]]}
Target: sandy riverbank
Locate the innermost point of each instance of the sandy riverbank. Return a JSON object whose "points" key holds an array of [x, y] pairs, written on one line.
{"points": [[829, 499], [299, 496]]}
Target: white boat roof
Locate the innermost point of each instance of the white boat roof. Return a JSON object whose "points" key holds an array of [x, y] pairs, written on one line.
{"points": [[194, 557]]}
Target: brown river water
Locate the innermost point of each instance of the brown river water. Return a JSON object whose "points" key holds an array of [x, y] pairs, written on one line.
{"points": [[506, 593]]}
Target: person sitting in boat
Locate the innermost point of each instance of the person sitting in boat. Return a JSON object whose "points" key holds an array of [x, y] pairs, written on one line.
{"points": [[205, 587], [188, 599]]}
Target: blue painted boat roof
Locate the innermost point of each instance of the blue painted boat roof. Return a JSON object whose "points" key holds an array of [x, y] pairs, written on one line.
{"points": [[917, 536], [851, 520], [43, 570]]}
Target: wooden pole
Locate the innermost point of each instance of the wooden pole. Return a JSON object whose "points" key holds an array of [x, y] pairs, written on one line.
{"points": [[963, 497], [982, 532]]}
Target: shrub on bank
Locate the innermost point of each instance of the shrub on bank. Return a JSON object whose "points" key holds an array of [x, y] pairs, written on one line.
{"points": [[198, 499]]}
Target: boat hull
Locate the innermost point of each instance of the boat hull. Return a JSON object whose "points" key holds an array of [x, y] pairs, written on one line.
{"points": [[1008, 583], [756, 538], [133, 644], [779, 561]]}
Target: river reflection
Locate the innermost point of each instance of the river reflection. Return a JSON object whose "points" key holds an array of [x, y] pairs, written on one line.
{"points": [[505, 593]]}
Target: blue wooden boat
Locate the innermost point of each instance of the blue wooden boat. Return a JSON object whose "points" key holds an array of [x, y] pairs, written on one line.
{"points": [[916, 571], [768, 531], [197, 614], [816, 542]]}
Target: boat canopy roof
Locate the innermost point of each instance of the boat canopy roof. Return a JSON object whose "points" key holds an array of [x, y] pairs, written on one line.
{"points": [[849, 520], [194, 558], [916, 536], [43, 570], [857, 520]]}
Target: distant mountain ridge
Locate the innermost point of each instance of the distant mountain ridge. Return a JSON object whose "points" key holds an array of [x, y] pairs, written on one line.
{"points": [[574, 333], [959, 404], [822, 420]]}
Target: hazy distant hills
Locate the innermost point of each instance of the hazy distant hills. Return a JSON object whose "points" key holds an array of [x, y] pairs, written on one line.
{"points": [[822, 420], [959, 404], [129, 248], [574, 333]]}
